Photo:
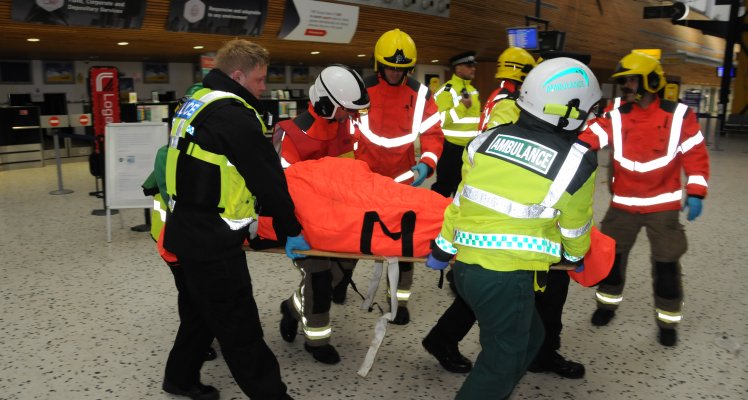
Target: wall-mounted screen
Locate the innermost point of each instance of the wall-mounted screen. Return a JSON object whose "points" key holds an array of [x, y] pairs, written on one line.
{"points": [[15, 72], [525, 37], [721, 71]]}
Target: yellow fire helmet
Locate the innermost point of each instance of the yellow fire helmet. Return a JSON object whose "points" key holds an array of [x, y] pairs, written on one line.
{"points": [[514, 63], [645, 66], [396, 49]]}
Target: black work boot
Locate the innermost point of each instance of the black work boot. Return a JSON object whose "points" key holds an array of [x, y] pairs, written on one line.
{"points": [[325, 354], [289, 326], [602, 316], [402, 317], [195, 392], [668, 337], [448, 355], [558, 365]]}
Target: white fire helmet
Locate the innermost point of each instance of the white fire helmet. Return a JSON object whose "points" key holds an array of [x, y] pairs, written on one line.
{"points": [[561, 91], [338, 86]]}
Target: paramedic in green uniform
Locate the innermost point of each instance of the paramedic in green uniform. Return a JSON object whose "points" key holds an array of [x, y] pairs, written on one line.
{"points": [[524, 203]]}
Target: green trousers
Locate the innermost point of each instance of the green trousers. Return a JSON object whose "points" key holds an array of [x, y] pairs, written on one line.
{"points": [[511, 331]]}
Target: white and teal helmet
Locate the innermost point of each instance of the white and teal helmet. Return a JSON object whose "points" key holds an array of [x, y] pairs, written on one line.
{"points": [[561, 92]]}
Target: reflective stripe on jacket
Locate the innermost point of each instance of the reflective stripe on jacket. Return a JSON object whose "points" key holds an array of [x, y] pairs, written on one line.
{"points": [[236, 205], [459, 124]]}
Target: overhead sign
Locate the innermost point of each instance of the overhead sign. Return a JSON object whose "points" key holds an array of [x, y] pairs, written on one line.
{"points": [[318, 21], [223, 17], [94, 13]]}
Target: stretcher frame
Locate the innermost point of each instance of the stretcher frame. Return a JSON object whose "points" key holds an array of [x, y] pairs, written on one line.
{"points": [[359, 256]]}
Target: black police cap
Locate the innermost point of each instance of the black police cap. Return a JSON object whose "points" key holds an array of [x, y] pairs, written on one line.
{"points": [[467, 57]]}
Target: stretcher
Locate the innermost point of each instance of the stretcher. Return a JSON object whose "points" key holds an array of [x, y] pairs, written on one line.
{"points": [[380, 329]]}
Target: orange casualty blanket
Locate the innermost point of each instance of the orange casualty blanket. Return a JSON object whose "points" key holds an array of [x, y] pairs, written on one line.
{"points": [[598, 261], [344, 207]]}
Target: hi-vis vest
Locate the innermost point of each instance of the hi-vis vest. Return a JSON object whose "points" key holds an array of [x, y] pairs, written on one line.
{"points": [[458, 130], [236, 205], [158, 213], [158, 216]]}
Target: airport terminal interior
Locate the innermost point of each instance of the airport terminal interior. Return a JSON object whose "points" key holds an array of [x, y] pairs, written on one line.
{"points": [[87, 319]]}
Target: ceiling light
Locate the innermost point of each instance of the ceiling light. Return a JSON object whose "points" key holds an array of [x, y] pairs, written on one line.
{"points": [[198, 47], [122, 43], [361, 55], [314, 52], [33, 39], [434, 61]]}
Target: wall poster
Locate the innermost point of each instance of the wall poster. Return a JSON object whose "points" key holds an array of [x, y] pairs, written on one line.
{"points": [[223, 17], [318, 21], [101, 13]]}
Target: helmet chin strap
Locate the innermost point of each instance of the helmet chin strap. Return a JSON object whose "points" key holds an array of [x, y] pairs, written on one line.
{"points": [[640, 91]]}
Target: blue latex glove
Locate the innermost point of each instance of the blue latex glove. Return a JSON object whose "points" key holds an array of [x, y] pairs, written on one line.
{"points": [[694, 205], [296, 243], [435, 264], [580, 268], [422, 171]]}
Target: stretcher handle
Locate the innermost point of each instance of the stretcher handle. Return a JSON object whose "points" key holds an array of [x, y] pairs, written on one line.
{"points": [[322, 253]]}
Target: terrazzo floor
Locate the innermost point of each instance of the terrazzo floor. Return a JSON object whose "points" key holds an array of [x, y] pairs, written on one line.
{"points": [[86, 319]]}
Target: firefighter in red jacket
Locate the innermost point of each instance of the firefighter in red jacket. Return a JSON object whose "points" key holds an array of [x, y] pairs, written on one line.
{"points": [[511, 69], [402, 111], [653, 141], [323, 130]]}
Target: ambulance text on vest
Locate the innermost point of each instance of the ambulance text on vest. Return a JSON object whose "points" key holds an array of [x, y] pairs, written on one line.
{"points": [[528, 153]]}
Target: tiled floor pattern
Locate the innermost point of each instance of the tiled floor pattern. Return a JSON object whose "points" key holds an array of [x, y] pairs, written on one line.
{"points": [[83, 319]]}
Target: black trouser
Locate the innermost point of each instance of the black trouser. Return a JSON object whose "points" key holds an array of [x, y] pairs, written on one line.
{"points": [[457, 320], [448, 170], [218, 300], [550, 306]]}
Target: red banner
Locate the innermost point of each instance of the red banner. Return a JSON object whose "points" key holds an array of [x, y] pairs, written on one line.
{"points": [[104, 83]]}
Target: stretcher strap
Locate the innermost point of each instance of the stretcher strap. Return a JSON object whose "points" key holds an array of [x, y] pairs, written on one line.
{"points": [[368, 302], [380, 329], [407, 227]]}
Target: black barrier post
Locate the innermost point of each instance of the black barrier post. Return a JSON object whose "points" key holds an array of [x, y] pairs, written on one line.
{"points": [[60, 188]]}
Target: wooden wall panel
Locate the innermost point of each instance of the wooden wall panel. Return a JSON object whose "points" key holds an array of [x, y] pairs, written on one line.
{"points": [[479, 25]]}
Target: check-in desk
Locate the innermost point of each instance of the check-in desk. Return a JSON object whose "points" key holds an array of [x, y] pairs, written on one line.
{"points": [[20, 137]]}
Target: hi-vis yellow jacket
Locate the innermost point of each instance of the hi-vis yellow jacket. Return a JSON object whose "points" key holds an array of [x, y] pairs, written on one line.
{"points": [[525, 197], [459, 124]]}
